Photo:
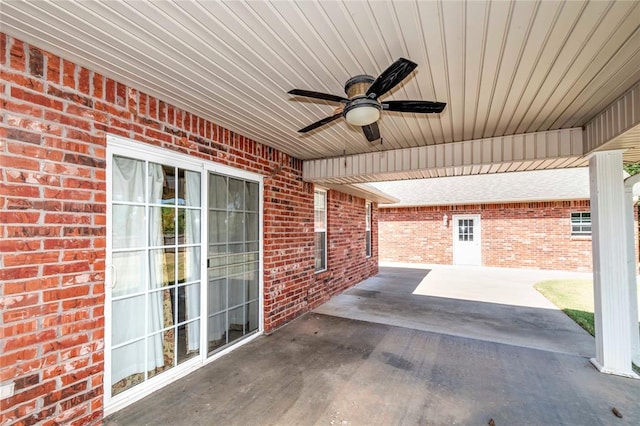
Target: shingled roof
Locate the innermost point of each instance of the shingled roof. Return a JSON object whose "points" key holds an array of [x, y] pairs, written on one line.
{"points": [[539, 185]]}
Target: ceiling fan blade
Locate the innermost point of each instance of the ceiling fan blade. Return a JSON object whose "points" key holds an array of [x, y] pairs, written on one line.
{"points": [[317, 95], [372, 132], [391, 77], [414, 106], [320, 123]]}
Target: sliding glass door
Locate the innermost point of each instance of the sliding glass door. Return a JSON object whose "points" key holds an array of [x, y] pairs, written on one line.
{"points": [[183, 265]]}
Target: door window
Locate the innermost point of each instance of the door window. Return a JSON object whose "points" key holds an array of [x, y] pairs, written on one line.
{"points": [[465, 229]]}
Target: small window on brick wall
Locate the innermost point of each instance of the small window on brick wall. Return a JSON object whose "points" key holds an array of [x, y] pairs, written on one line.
{"points": [[368, 230], [320, 228], [581, 224]]}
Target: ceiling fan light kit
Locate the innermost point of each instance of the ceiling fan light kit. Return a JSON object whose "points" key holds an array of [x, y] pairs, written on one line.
{"points": [[362, 112], [362, 107]]}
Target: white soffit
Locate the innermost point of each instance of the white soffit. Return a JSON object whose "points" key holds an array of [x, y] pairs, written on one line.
{"points": [[531, 151], [617, 127], [365, 191], [503, 67]]}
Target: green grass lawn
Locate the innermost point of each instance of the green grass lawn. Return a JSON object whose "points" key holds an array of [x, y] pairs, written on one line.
{"points": [[574, 297]]}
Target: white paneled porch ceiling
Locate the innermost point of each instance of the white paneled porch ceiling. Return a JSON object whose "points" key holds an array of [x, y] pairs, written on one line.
{"points": [[502, 67]]}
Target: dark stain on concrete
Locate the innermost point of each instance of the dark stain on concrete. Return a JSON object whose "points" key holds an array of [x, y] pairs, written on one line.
{"points": [[397, 361], [369, 294]]}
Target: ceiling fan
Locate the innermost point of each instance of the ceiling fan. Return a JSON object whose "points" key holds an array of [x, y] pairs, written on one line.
{"points": [[362, 107]]}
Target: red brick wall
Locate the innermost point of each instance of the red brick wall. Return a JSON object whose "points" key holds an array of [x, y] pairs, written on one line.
{"points": [[53, 125], [347, 263], [518, 235]]}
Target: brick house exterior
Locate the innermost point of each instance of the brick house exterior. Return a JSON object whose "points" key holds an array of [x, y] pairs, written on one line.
{"points": [[54, 123], [533, 235], [532, 219]]}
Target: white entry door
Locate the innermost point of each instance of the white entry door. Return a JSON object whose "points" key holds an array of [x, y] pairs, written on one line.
{"points": [[466, 240]]}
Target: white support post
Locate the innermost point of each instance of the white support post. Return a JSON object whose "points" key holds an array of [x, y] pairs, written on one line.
{"points": [[610, 283], [631, 266]]}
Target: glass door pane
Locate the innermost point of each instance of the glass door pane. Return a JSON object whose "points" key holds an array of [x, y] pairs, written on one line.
{"points": [[232, 263], [156, 252]]}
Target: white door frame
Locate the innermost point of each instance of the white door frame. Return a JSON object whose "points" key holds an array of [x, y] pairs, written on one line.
{"points": [[470, 253]]}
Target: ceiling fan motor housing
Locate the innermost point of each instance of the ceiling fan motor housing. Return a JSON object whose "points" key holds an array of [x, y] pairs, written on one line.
{"points": [[358, 85]]}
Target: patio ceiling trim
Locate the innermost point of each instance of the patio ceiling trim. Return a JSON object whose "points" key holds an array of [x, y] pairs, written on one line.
{"points": [[617, 127], [365, 191], [531, 151]]}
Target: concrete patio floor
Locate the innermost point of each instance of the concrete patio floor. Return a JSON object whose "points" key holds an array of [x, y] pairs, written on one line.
{"points": [[326, 369], [494, 304]]}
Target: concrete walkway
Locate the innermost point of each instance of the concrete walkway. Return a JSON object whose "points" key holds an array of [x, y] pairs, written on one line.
{"points": [[493, 304], [330, 370]]}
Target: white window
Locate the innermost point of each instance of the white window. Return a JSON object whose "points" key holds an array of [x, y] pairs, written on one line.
{"points": [[183, 266], [368, 229], [320, 228], [580, 223]]}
